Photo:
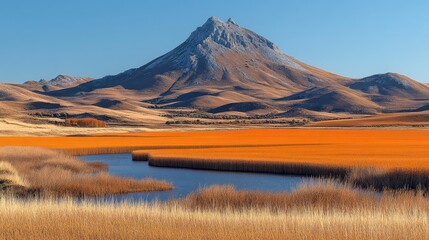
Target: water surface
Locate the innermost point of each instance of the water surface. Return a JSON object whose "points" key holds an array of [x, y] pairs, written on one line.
{"points": [[186, 181]]}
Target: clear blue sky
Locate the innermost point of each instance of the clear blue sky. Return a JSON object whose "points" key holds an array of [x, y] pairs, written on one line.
{"points": [[44, 38]]}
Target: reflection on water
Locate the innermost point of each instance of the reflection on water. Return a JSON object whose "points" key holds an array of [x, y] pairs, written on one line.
{"points": [[186, 181]]}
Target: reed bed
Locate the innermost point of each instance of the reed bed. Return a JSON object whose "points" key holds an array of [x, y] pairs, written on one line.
{"points": [[321, 195], [380, 179], [387, 148], [49, 172], [98, 150], [137, 149], [369, 178], [311, 170], [312, 212]]}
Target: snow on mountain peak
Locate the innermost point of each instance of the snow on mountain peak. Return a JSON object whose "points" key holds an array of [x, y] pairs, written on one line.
{"points": [[218, 37], [64, 81]]}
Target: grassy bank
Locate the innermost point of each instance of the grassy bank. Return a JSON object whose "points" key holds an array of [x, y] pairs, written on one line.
{"points": [[317, 195], [43, 171], [318, 212]]}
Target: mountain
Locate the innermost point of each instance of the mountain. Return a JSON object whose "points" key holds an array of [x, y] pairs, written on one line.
{"points": [[59, 82], [218, 58], [225, 69]]}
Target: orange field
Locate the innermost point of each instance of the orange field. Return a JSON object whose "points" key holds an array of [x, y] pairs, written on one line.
{"points": [[383, 148]]}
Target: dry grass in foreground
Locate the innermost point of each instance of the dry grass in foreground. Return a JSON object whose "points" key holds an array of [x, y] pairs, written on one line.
{"points": [[9, 178], [52, 172], [319, 195], [318, 212]]}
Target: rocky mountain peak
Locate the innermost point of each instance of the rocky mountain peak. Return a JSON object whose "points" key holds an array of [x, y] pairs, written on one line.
{"points": [[216, 37], [231, 21], [229, 35], [64, 81]]}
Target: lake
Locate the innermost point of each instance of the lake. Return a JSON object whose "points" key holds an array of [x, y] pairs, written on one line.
{"points": [[186, 181]]}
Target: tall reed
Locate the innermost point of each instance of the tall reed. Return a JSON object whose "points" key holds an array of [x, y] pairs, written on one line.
{"points": [[317, 212], [9, 178], [312, 170], [56, 173]]}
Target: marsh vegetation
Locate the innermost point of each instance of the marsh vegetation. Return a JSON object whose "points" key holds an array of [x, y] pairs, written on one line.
{"points": [[322, 211], [376, 194], [49, 172]]}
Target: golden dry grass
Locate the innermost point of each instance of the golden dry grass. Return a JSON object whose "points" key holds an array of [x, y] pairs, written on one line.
{"points": [[321, 195], [9, 177], [321, 212], [53, 172]]}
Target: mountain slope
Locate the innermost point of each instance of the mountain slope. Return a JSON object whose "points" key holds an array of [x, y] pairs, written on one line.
{"points": [[333, 99]]}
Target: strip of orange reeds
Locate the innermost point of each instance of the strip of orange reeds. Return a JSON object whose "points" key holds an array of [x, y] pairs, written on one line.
{"points": [[131, 149]]}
